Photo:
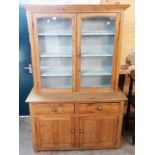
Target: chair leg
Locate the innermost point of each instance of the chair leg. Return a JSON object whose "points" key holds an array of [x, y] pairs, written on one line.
{"points": [[133, 139], [129, 104]]}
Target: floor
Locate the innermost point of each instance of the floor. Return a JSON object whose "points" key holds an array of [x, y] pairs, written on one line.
{"points": [[25, 144]]}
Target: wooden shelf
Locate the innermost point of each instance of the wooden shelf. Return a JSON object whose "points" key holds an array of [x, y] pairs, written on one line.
{"points": [[62, 86], [104, 85], [83, 33], [56, 55], [98, 33], [56, 34], [68, 72], [97, 72], [64, 71], [52, 73], [97, 55]]}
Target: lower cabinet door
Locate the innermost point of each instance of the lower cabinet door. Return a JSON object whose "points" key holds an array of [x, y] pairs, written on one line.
{"points": [[55, 132], [98, 131]]}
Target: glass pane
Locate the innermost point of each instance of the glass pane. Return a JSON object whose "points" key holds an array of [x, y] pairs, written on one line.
{"points": [[97, 48], [55, 47]]}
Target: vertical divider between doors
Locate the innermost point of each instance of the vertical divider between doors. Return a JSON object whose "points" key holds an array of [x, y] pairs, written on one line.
{"points": [[77, 125]]}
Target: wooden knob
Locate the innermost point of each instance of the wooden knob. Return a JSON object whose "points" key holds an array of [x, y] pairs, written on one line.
{"points": [[99, 108], [72, 130], [54, 109], [81, 130]]}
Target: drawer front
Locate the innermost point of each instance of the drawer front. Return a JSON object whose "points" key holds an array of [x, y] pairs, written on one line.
{"points": [[52, 109], [99, 108]]}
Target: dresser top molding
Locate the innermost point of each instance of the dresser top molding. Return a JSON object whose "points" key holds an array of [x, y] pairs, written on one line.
{"points": [[75, 8], [77, 97]]}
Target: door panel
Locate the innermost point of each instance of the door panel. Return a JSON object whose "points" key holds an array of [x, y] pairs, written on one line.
{"points": [[97, 34], [55, 51], [25, 78], [54, 132], [98, 131]]}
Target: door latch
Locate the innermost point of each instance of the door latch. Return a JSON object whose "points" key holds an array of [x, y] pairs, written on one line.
{"points": [[29, 68]]}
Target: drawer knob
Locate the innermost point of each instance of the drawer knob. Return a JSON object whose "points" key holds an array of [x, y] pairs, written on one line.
{"points": [[54, 109], [81, 130], [72, 130], [99, 108]]}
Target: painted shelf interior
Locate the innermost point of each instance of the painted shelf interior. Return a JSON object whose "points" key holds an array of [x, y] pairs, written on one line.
{"points": [[56, 51]]}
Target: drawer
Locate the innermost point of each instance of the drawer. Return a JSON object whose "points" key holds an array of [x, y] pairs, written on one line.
{"points": [[99, 108], [52, 109]]}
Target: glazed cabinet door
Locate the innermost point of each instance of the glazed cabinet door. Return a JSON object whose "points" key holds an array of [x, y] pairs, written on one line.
{"points": [[97, 50], [54, 132], [54, 36], [98, 131]]}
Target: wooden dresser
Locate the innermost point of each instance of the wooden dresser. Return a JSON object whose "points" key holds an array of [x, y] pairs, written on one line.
{"points": [[77, 120], [75, 102]]}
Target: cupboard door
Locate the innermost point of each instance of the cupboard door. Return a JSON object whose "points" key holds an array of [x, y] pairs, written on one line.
{"points": [[97, 34], [98, 131], [55, 48], [55, 132]]}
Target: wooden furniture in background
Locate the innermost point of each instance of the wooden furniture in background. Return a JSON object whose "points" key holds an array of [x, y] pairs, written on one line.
{"points": [[75, 103], [130, 103]]}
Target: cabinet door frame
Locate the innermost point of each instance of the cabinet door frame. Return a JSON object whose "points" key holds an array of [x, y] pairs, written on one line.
{"points": [[36, 57], [42, 146], [115, 61], [98, 132]]}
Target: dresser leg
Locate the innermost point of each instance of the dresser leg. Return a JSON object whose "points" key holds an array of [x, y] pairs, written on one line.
{"points": [[118, 146], [35, 149]]}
